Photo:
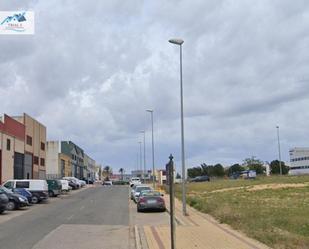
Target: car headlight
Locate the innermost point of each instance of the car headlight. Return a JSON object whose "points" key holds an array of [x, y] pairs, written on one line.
{"points": [[21, 199]]}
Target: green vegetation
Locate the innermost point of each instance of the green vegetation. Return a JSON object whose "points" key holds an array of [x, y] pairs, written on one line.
{"points": [[273, 210]]}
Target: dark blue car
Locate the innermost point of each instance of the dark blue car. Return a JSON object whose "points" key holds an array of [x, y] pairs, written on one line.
{"points": [[24, 193]]}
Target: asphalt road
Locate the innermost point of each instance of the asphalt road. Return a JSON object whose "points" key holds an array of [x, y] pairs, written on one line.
{"points": [[96, 217]]}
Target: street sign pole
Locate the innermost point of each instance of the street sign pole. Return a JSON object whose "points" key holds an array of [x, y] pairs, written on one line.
{"points": [[172, 202]]}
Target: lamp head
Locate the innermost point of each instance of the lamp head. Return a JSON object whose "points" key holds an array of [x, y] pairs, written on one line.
{"points": [[176, 41]]}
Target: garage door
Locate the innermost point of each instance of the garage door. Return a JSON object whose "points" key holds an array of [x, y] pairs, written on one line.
{"points": [[18, 165]]}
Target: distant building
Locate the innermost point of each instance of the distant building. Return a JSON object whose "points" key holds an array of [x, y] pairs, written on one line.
{"points": [[161, 176], [90, 168], [299, 160], [58, 164], [77, 158]]}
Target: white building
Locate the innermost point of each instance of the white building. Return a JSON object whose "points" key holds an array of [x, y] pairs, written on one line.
{"points": [[299, 159]]}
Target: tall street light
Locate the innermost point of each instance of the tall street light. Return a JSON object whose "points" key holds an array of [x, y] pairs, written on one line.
{"points": [[279, 151], [184, 207], [152, 141], [140, 154], [144, 170]]}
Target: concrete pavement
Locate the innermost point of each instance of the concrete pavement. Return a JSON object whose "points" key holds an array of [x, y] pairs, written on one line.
{"points": [[197, 230]]}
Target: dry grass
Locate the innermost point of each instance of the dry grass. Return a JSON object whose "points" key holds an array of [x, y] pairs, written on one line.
{"points": [[276, 212]]}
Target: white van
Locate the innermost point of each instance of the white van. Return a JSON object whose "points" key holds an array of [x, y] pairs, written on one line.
{"points": [[64, 185], [135, 181], [38, 188]]}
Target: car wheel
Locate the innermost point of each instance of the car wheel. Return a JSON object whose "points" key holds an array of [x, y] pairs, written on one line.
{"points": [[51, 194], [1, 211], [139, 210], [11, 205], [34, 199]]}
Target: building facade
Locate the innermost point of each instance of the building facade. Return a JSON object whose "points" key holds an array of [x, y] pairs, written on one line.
{"points": [[77, 158], [35, 142], [58, 164], [90, 168], [299, 160], [12, 142]]}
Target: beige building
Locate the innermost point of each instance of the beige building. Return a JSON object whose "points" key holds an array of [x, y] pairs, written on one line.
{"points": [[58, 164], [11, 149], [35, 142]]}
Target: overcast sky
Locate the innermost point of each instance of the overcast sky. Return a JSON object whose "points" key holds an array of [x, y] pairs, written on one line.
{"points": [[93, 68]]}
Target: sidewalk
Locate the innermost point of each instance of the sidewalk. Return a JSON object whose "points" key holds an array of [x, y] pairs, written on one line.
{"points": [[197, 230]]}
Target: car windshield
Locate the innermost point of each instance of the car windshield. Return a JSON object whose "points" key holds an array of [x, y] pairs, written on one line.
{"points": [[151, 193], [140, 189], [6, 190]]}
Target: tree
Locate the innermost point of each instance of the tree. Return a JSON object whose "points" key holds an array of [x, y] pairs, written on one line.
{"points": [[107, 170], [194, 172], [235, 168], [218, 170], [121, 171], [254, 164], [275, 167]]}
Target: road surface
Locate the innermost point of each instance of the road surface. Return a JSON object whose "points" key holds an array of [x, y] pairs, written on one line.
{"points": [[97, 217]]}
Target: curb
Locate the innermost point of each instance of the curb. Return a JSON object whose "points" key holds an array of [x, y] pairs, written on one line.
{"points": [[176, 219], [137, 238]]}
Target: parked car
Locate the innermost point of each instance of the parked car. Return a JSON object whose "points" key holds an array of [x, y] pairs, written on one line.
{"points": [[150, 200], [135, 181], [107, 183], [23, 192], [201, 179], [64, 185], [73, 180], [138, 191], [54, 188], [73, 184], [3, 202], [16, 201], [82, 183], [132, 191], [38, 188]]}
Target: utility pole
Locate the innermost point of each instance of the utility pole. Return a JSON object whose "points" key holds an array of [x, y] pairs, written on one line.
{"points": [[279, 150]]}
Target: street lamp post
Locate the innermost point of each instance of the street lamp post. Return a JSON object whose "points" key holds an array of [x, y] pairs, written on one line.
{"points": [[140, 154], [184, 207], [144, 170], [152, 141], [279, 150]]}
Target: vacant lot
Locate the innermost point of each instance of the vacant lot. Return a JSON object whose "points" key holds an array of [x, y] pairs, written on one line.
{"points": [[274, 210]]}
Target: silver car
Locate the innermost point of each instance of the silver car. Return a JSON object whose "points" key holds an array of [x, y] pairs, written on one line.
{"points": [[138, 191]]}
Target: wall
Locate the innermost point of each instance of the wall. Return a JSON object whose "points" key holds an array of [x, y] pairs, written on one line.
{"points": [[52, 160]]}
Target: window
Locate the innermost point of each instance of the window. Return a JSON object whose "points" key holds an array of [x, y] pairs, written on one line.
{"points": [[23, 184], [36, 160], [29, 140], [42, 162], [8, 185], [8, 144], [42, 146]]}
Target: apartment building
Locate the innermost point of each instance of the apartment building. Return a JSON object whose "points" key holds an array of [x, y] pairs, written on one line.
{"points": [[35, 142], [12, 142]]}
